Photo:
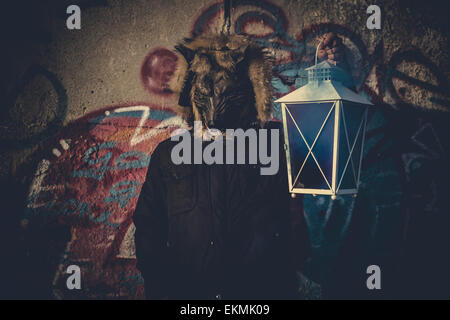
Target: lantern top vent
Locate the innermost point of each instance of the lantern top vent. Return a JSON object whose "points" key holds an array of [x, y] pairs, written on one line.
{"points": [[326, 71], [325, 82]]}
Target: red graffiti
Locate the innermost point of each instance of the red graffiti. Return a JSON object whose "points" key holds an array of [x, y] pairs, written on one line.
{"points": [[90, 178], [157, 70]]}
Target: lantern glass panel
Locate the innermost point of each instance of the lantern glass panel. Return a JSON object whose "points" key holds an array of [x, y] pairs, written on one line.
{"points": [[297, 149], [351, 132], [311, 151], [310, 177], [353, 114]]}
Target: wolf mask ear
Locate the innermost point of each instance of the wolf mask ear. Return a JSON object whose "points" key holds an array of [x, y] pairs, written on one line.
{"points": [[187, 53]]}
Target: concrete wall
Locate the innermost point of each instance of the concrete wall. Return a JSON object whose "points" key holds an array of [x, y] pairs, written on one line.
{"points": [[78, 126]]}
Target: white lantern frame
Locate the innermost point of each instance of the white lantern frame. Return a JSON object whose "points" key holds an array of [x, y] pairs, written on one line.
{"points": [[325, 87], [336, 182]]}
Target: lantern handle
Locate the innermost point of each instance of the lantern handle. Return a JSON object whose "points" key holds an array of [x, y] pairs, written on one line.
{"points": [[317, 49]]}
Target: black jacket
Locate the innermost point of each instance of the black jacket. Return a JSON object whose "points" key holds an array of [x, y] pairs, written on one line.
{"points": [[214, 231]]}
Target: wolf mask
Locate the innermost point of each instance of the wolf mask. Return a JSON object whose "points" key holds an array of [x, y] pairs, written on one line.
{"points": [[223, 81]]}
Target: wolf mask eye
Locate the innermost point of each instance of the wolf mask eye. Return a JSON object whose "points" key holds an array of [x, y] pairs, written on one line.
{"points": [[205, 85]]}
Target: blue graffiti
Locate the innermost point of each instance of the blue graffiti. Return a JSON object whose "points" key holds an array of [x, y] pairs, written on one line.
{"points": [[124, 161], [130, 280], [95, 173], [123, 195]]}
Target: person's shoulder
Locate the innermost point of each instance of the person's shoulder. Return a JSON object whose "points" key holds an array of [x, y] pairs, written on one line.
{"points": [[163, 148], [166, 144]]}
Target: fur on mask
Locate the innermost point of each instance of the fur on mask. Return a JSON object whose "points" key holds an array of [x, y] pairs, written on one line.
{"points": [[196, 56]]}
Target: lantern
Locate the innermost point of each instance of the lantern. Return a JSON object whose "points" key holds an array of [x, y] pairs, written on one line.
{"points": [[324, 125]]}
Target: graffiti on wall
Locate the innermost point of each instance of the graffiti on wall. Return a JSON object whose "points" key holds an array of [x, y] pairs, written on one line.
{"points": [[90, 179], [92, 170]]}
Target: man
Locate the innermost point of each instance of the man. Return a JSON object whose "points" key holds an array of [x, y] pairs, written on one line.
{"points": [[221, 230]]}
